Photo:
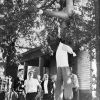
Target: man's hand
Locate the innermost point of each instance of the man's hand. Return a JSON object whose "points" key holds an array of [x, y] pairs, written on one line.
{"points": [[74, 54]]}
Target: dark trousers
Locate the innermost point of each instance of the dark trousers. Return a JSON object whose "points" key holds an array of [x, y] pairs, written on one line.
{"points": [[2, 96], [14, 95], [31, 96], [18, 96], [75, 94], [21, 96], [48, 97]]}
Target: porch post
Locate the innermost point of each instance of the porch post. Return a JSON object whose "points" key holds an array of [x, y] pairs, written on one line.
{"points": [[25, 70], [41, 65]]}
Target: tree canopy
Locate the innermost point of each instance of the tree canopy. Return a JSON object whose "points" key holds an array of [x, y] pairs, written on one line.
{"points": [[22, 18]]}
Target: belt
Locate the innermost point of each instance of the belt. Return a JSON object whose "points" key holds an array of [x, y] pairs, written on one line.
{"points": [[32, 92]]}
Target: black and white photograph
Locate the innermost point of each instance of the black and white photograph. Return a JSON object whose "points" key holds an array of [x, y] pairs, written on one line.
{"points": [[49, 49]]}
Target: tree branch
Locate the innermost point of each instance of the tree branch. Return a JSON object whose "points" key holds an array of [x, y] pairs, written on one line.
{"points": [[45, 7], [23, 47], [65, 13]]}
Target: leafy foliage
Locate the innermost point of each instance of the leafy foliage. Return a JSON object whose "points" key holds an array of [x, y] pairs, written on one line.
{"points": [[20, 18]]}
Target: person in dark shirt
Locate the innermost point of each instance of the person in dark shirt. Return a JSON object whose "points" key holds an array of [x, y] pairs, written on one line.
{"points": [[18, 86]]}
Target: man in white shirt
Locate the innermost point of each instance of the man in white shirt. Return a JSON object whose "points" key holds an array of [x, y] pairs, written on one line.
{"points": [[63, 70], [31, 87]]}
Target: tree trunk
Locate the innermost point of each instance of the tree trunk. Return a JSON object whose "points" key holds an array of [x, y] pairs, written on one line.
{"points": [[84, 75], [97, 12]]}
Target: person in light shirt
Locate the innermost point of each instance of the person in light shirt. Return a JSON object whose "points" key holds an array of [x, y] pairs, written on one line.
{"points": [[63, 70], [31, 87]]}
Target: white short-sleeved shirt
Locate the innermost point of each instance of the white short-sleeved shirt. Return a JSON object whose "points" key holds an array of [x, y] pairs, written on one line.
{"points": [[31, 85], [62, 55]]}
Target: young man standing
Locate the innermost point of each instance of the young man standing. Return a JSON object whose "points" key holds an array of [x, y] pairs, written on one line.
{"points": [[31, 87]]}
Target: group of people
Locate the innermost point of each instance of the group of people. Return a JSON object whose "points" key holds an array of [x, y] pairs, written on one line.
{"points": [[33, 88], [46, 89], [49, 88]]}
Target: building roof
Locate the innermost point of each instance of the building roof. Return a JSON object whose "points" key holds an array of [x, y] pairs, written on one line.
{"points": [[31, 54], [36, 52]]}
